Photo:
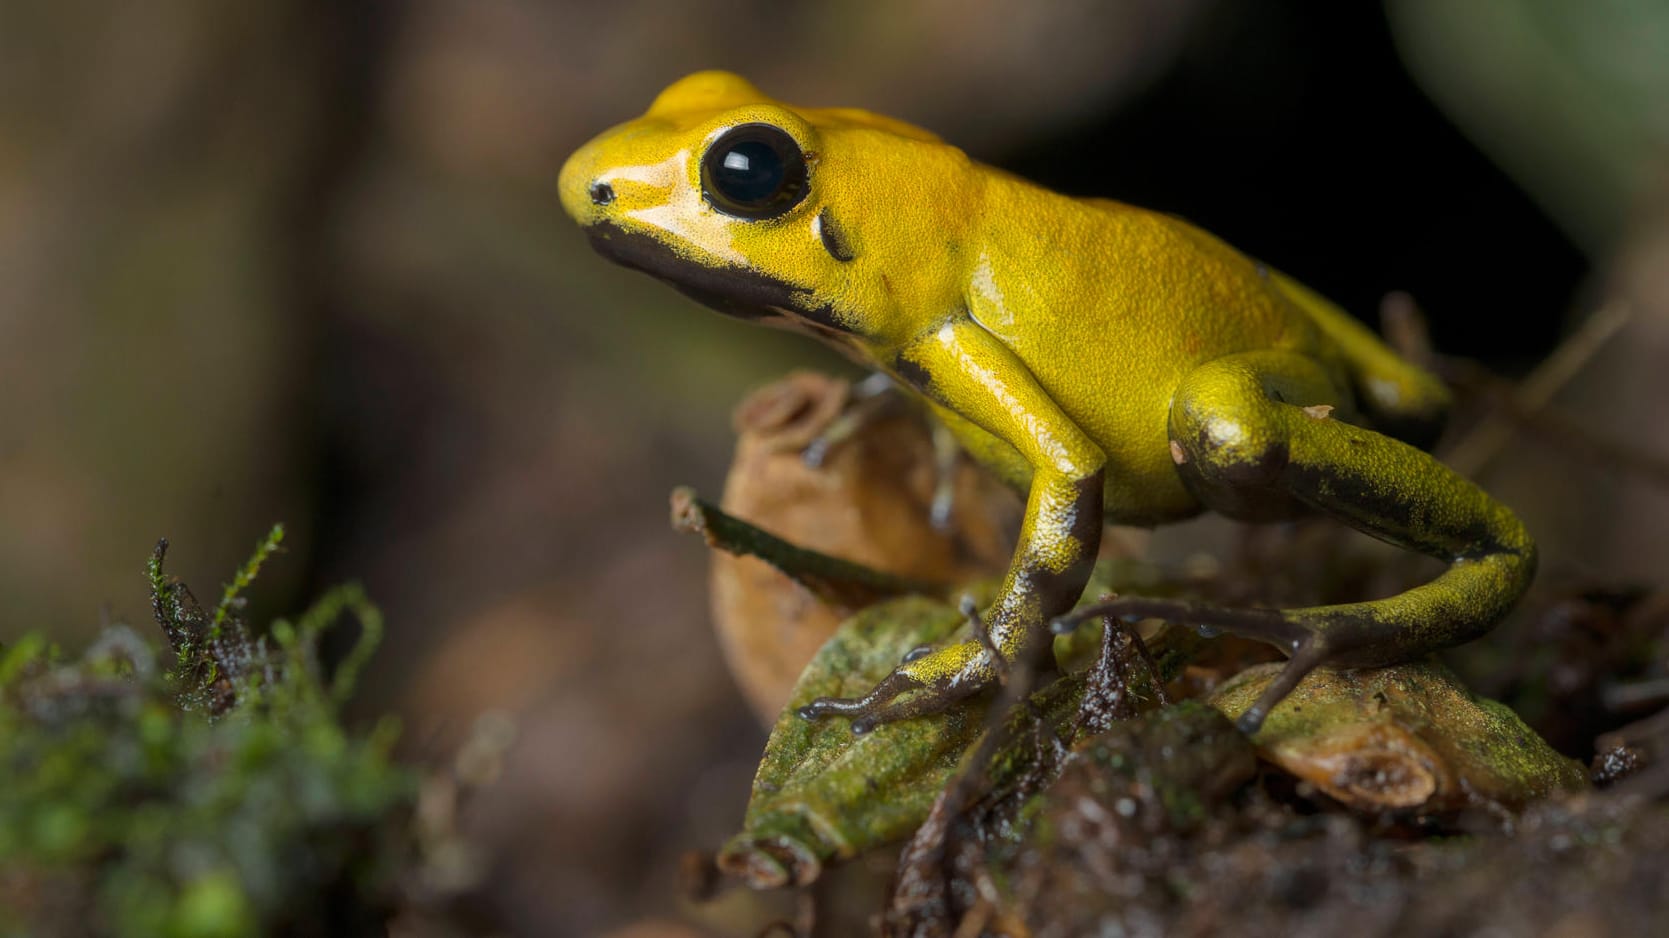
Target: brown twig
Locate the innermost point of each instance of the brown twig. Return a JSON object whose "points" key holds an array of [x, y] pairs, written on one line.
{"points": [[1404, 328], [838, 582], [1555, 427], [1474, 452]]}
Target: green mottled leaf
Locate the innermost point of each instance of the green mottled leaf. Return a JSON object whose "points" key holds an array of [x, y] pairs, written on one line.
{"points": [[822, 793]]}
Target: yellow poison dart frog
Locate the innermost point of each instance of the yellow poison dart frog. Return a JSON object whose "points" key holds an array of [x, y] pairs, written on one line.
{"points": [[1114, 363]]}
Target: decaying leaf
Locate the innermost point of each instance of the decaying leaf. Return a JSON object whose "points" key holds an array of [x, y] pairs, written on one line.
{"points": [[1408, 737], [1101, 819], [822, 793]]}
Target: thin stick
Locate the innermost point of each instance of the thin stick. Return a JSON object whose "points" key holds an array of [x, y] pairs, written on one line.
{"points": [[837, 582], [1474, 452]]}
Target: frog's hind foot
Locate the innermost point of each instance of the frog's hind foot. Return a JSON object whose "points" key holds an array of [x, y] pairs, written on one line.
{"points": [[1310, 654], [1264, 625], [1306, 645]]}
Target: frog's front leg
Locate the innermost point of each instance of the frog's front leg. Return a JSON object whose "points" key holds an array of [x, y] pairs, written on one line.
{"points": [[872, 400], [964, 369], [1258, 428]]}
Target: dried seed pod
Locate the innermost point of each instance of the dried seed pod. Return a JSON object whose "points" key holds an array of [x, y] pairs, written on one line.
{"points": [[869, 501]]}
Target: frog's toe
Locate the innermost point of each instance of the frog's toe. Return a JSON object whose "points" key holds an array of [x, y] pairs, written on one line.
{"points": [[1308, 639], [873, 399], [864, 710], [923, 685], [1310, 654], [946, 452], [1264, 625]]}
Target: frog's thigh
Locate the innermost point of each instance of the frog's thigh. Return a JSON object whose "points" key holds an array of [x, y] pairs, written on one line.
{"points": [[1399, 398], [1257, 426], [1228, 435]]}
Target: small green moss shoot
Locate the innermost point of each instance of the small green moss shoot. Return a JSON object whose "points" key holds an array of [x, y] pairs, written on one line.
{"points": [[229, 594], [219, 795]]}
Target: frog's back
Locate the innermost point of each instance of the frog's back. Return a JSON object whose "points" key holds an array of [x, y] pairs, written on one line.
{"points": [[1110, 306], [1222, 300]]}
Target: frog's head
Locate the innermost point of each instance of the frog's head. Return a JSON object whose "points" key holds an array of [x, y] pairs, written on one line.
{"points": [[834, 221]]}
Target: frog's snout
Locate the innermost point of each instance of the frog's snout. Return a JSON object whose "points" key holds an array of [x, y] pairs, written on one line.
{"points": [[585, 187], [579, 187]]}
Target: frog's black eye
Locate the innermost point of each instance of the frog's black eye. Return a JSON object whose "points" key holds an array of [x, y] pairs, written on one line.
{"points": [[754, 171]]}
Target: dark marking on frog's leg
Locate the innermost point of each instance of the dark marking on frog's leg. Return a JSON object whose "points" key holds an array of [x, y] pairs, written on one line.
{"points": [[912, 373], [976, 623], [1046, 583], [1059, 590], [1269, 624], [833, 238], [1242, 445], [1046, 579], [858, 708]]}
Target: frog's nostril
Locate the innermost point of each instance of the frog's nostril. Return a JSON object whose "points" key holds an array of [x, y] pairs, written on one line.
{"points": [[601, 193]]}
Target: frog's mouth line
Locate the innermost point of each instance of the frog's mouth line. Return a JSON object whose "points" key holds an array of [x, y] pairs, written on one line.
{"points": [[733, 291]]}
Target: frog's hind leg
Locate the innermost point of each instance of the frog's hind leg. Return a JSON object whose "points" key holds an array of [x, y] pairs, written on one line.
{"points": [[1398, 398], [1258, 428]]}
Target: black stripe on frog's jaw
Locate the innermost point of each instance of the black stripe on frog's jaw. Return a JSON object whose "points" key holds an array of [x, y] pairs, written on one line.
{"points": [[740, 292]]}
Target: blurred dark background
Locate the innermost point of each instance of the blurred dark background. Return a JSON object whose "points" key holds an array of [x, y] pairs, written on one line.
{"points": [[303, 261]]}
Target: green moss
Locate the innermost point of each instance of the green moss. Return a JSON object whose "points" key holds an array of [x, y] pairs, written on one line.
{"points": [[230, 595], [218, 795], [1416, 715]]}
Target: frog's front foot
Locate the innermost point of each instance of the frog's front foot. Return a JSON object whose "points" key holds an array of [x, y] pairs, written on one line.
{"points": [[872, 400], [923, 684]]}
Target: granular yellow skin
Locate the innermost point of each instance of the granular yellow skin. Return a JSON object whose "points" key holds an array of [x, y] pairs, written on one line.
{"points": [[1113, 362]]}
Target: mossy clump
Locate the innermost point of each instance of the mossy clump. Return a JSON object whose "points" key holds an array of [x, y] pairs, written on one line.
{"points": [[209, 790]]}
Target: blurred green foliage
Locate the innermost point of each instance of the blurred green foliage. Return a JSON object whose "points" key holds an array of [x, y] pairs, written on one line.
{"points": [[1567, 98], [217, 794]]}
